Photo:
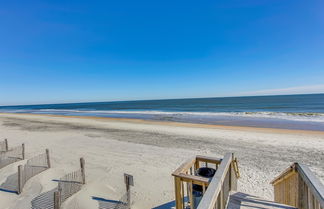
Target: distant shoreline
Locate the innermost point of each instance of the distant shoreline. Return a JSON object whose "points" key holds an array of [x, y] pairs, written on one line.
{"points": [[300, 112], [182, 124]]}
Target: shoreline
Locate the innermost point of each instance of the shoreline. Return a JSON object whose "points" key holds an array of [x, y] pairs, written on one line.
{"points": [[184, 124]]}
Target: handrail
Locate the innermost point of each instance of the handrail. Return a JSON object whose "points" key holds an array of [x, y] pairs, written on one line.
{"points": [[298, 186], [314, 184], [214, 189]]}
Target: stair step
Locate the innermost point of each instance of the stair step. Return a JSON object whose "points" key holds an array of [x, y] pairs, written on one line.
{"points": [[239, 200]]}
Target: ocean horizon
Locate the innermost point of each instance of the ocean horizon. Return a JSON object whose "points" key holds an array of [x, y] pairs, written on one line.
{"points": [[304, 111]]}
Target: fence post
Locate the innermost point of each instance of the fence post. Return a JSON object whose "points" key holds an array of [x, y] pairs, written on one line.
{"points": [[48, 159], [6, 144], [23, 151], [82, 170], [19, 179], [129, 181], [57, 200]]}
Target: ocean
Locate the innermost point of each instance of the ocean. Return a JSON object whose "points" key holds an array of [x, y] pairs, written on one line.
{"points": [[305, 112]]}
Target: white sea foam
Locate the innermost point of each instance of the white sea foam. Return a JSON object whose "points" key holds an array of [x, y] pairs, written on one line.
{"points": [[307, 117], [310, 117]]}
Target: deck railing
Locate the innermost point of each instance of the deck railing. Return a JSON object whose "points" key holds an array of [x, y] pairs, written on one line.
{"points": [[298, 186], [185, 177], [224, 181]]}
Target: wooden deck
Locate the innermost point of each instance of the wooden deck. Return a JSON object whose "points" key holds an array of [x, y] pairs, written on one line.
{"points": [[240, 200]]}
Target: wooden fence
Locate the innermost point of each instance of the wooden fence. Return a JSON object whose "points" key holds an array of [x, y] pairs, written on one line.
{"points": [[12, 155], [297, 186], [224, 181], [4, 146], [33, 167], [69, 185]]}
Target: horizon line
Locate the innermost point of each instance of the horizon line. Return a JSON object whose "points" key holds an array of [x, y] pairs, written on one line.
{"points": [[138, 100]]}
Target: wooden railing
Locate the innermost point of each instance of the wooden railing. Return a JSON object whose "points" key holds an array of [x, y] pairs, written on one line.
{"points": [[224, 181], [297, 186], [185, 178]]}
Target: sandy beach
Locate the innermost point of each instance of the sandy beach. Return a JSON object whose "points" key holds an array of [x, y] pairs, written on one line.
{"points": [[150, 151]]}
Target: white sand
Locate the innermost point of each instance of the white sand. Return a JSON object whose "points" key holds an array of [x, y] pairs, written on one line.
{"points": [[150, 151]]}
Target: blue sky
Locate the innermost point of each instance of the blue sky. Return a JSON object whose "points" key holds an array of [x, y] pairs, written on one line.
{"points": [[70, 51]]}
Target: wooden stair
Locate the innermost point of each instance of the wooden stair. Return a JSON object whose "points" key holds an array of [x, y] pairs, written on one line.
{"points": [[238, 200]]}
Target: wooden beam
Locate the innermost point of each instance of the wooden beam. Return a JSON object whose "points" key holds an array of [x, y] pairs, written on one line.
{"points": [[184, 167], [195, 179], [208, 159]]}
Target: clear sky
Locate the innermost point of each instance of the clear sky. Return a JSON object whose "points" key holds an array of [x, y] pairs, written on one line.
{"points": [[70, 51]]}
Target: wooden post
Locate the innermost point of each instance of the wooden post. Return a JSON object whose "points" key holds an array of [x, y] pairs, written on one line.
{"points": [[48, 159], [129, 181], [82, 162], [57, 200], [19, 179], [178, 193], [23, 151], [196, 165], [233, 174], [6, 144], [190, 196]]}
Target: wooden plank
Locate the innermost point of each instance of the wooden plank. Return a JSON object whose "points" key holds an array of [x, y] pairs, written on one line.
{"points": [[195, 179], [184, 167], [210, 197], [313, 183], [246, 201], [208, 159]]}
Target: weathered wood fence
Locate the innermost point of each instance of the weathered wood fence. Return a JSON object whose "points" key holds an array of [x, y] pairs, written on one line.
{"points": [[4, 146], [298, 186], [12, 155], [224, 181], [33, 167], [69, 185]]}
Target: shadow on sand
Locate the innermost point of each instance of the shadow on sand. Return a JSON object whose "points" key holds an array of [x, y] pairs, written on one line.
{"points": [[44, 200], [11, 184], [167, 205], [108, 204]]}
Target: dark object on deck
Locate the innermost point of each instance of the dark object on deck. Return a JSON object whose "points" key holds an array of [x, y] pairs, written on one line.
{"points": [[204, 172], [197, 190]]}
